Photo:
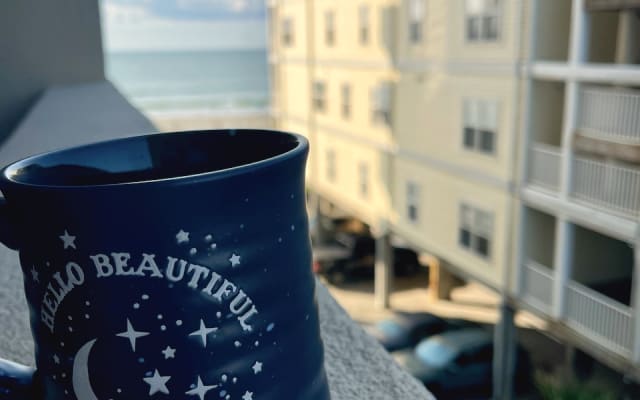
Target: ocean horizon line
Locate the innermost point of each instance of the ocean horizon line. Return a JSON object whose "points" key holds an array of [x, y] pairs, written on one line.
{"points": [[184, 50]]}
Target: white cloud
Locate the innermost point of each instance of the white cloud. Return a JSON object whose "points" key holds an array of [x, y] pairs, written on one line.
{"points": [[133, 27], [223, 5], [163, 34], [113, 13]]}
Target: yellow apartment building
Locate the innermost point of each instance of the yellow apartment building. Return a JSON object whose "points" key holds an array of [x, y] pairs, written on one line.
{"points": [[411, 110], [500, 136]]}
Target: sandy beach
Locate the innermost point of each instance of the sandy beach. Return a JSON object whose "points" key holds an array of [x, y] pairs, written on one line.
{"points": [[182, 121]]}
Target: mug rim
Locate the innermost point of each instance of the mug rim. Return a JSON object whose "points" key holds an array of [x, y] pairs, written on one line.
{"points": [[301, 147]]}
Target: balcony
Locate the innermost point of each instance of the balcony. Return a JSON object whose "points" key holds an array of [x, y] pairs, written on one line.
{"points": [[610, 187], [604, 185], [599, 318], [588, 312], [594, 315], [537, 288], [544, 167], [611, 5], [596, 297], [610, 114]]}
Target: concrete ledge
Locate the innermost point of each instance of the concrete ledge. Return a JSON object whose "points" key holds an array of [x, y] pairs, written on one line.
{"points": [[357, 366], [72, 115]]}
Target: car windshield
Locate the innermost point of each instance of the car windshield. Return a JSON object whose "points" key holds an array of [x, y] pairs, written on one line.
{"points": [[435, 353], [390, 329]]}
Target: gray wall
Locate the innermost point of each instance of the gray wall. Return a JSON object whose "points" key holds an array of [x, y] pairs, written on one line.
{"points": [[546, 112], [44, 43], [599, 258], [552, 35], [541, 236]]}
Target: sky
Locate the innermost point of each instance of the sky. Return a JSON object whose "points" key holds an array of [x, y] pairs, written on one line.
{"points": [[136, 25]]}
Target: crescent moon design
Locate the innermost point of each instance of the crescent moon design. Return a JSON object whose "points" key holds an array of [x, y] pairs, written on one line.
{"points": [[81, 383]]}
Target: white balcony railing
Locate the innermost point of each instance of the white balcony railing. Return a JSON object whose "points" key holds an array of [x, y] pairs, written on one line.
{"points": [[537, 286], [610, 114], [600, 318], [544, 166], [606, 185]]}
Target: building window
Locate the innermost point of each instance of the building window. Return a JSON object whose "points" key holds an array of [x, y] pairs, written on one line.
{"points": [[287, 32], [363, 17], [480, 121], [483, 20], [346, 100], [319, 96], [331, 165], [475, 230], [329, 28], [416, 20], [381, 103], [413, 201], [363, 173]]}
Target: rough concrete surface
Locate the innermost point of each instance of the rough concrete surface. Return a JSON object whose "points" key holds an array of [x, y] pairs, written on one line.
{"points": [[357, 366], [15, 334], [71, 115]]}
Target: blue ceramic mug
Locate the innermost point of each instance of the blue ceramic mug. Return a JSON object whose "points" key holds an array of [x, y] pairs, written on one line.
{"points": [[167, 266]]}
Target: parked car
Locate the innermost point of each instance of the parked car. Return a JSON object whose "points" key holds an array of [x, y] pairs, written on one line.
{"points": [[459, 364], [404, 330], [348, 257]]}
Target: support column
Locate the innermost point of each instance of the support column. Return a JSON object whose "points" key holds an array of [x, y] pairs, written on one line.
{"points": [[383, 270], [628, 49], [318, 232], [635, 302], [562, 264], [504, 353], [441, 281], [580, 30]]}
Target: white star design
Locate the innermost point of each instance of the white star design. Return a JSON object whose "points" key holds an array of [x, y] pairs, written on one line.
{"points": [[132, 335], [56, 359], [182, 237], [157, 383], [169, 353], [34, 274], [200, 390], [247, 395], [203, 332], [68, 240], [257, 367], [234, 260]]}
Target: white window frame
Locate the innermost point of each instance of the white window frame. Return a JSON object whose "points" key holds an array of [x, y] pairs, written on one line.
{"points": [[416, 14], [363, 179], [331, 170], [345, 97], [480, 121], [330, 28], [364, 24], [319, 95], [478, 224], [480, 13], [287, 36], [382, 103], [413, 202]]}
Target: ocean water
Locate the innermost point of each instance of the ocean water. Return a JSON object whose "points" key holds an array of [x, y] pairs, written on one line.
{"points": [[210, 82]]}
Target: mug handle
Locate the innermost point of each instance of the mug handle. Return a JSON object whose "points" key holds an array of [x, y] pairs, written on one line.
{"points": [[15, 379], [7, 232]]}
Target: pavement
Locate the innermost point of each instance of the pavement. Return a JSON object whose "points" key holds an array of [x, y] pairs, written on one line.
{"points": [[472, 302]]}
